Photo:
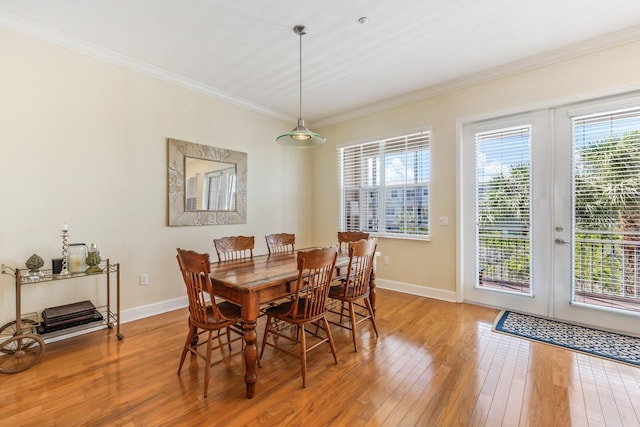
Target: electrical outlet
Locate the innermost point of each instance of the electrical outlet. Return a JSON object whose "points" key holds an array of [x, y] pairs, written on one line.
{"points": [[144, 279], [386, 260]]}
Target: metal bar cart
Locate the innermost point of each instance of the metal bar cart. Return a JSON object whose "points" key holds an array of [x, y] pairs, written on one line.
{"points": [[21, 341]]}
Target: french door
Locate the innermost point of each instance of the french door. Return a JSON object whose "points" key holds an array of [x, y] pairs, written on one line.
{"points": [[596, 249], [550, 213], [505, 216]]}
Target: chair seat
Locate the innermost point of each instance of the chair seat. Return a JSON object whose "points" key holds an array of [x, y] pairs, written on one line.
{"points": [[280, 311], [227, 309], [337, 292]]}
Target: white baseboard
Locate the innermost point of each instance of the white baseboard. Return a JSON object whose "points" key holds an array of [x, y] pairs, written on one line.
{"points": [[152, 309], [412, 289]]}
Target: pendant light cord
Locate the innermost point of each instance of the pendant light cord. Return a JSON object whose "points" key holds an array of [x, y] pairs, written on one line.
{"points": [[300, 136], [300, 107]]}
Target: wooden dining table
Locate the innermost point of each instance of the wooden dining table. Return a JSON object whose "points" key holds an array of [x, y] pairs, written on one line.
{"points": [[253, 282]]}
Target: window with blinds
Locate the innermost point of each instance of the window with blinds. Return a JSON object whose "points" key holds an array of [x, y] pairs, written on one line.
{"points": [[606, 203], [503, 214], [385, 186]]}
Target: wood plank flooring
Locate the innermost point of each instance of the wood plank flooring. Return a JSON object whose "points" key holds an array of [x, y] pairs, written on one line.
{"points": [[434, 364]]}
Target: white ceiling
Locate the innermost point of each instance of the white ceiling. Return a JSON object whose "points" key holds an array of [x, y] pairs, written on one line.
{"points": [[246, 51]]}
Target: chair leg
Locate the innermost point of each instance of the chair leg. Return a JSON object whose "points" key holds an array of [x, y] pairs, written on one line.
{"points": [[194, 340], [192, 331], [207, 366], [303, 354], [352, 315], [341, 311], [267, 326], [371, 315], [229, 338], [331, 344]]}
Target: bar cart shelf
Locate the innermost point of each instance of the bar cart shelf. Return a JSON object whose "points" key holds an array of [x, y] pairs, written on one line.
{"points": [[22, 341]]}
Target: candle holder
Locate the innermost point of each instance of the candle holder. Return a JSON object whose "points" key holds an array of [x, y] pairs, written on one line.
{"points": [[76, 263], [65, 251]]}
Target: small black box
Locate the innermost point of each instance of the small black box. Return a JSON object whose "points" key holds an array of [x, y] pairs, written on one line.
{"points": [[56, 265]]}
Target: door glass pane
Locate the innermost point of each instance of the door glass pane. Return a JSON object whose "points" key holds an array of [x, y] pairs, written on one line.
{"points": [[503, 214], [606, 207]]}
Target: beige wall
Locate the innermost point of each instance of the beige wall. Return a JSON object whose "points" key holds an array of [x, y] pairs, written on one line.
{"points": [[429, 267], [84, 142]]}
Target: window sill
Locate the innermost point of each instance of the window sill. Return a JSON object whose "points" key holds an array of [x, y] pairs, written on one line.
{"points": [[401, 236]]}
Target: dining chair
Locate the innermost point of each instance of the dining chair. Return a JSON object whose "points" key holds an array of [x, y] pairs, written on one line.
{"points": [[354, 289], [315, 271], [280, 243], [234, 247], [345, 237], [206, 315]]}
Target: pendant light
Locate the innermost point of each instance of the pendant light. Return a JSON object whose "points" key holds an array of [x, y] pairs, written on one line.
{"points": [[300, 136]]}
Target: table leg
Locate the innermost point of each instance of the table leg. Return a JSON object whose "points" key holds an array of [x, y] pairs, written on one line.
{"points": [[372, 290], [250, 357]]}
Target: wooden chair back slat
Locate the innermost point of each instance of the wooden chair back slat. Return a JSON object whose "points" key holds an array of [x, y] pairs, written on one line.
{"points": [[195, 269], [345, 237], [361, 256], [280, 243], [315, 273], [234, 247]]}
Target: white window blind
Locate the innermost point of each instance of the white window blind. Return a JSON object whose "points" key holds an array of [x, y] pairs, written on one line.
{"points": [[606, 187], [503, 215], [503, 162], [385, 186], [606, 168]]}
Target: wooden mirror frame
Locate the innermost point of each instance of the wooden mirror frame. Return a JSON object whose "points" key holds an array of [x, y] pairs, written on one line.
{"points": [[178, 216]]}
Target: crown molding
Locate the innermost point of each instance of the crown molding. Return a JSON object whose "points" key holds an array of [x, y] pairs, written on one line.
{"points": [[66, 41], [627, 35]]}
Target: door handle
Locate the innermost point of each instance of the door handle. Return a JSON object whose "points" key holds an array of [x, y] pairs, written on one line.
{"points": [[560, 241]]}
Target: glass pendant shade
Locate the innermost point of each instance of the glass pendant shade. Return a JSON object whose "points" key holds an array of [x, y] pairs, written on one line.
{"points": [[300, 136]]}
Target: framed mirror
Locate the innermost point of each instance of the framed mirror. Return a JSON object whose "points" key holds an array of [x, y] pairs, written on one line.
{"points": [[206, 185]]}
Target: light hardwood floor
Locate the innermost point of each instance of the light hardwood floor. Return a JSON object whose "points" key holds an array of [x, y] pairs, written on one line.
{"points": [[435, 364]]}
